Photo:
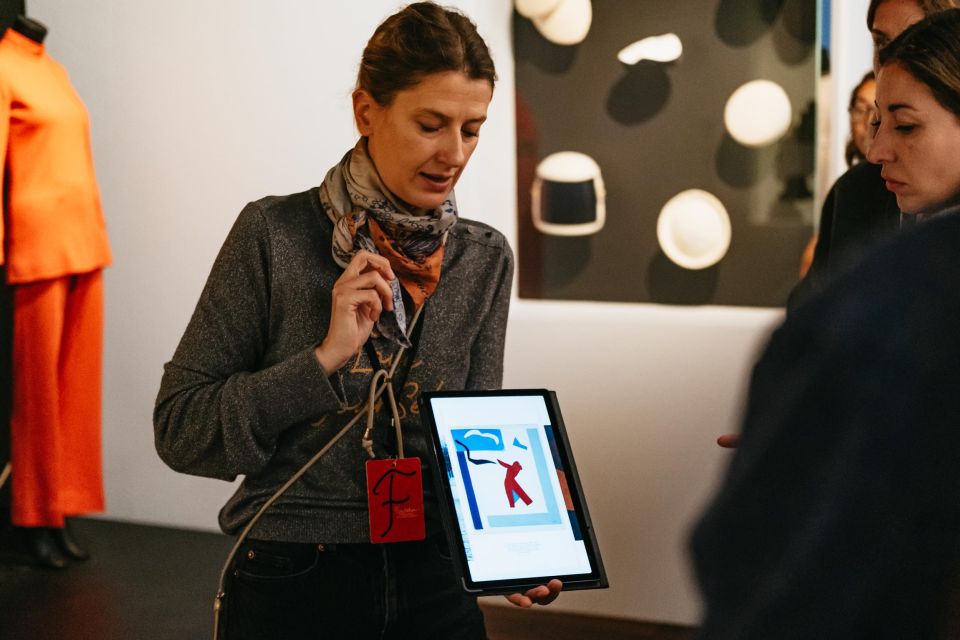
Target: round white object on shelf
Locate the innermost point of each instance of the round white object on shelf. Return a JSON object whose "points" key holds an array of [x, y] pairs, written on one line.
{"points": [[569, 185], [536, 8], [568, 23], [694, 229], [568, 166], [758, 113], [665, 48]]}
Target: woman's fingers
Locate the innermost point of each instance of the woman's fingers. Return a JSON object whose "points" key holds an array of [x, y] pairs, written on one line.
{"points": [[364, 301], [729, 440], [542, 595], [373, 281], [368, 271], [360, 295], [364, 261]]}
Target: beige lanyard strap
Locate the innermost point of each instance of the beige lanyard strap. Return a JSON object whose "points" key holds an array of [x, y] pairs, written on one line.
{"points": [[377, 391]]}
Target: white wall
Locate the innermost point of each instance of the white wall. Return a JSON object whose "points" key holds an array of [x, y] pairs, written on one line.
{"points": [[198, 107]]}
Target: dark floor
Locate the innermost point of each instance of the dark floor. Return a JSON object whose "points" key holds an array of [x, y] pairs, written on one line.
{"points": [[146, 583], [141, 583]]}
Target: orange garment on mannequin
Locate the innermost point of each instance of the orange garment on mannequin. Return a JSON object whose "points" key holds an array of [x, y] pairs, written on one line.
{"points": [[53, 229], [55, 423], [53, 222]]}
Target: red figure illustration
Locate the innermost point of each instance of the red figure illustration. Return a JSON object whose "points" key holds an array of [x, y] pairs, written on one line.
{"points": [[511, 485]]}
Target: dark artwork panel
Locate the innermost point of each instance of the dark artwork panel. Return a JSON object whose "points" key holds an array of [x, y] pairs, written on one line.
{"points": [[657, 129]]}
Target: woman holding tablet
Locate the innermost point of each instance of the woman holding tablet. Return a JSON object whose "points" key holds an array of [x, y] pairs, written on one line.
{"points": [[310, 296]]}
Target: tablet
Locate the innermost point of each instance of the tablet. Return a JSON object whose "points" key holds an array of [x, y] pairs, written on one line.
{"points": [[513, 509]]}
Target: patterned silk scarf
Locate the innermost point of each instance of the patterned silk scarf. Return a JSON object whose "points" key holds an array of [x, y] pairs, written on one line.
{"points": [[366, 215]]}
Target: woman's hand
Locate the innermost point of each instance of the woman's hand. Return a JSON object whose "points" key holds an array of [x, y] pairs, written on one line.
{"points": [[544, 594], [360, 295], [729, 440]]}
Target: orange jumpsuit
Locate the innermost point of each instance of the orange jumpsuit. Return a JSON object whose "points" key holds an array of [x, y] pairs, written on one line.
{"points": [[54, 247]]}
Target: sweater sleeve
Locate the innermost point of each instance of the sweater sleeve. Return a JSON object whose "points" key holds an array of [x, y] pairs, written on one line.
{"points": [[486, 354], [220, 411]]}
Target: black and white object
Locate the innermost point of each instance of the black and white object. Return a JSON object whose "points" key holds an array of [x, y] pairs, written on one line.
{"points": [[568, 197]]}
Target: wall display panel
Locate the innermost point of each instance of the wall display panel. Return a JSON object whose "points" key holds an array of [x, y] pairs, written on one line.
{"points": [[664, 101]]}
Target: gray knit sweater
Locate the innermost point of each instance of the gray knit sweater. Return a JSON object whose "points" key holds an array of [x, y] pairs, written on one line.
{"points": [[245, 395]]}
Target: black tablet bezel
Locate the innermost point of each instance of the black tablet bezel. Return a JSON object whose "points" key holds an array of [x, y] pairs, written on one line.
{"points": [[596, 579]]}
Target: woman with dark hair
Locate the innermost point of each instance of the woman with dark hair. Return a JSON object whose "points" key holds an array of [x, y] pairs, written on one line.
{"points": [[860, 111], [839, 516], [886, 19], [858, 212], [918, 127], [311, 296]]}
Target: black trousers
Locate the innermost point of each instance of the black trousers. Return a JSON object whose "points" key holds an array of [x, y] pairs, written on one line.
{"points": [[292, 591]]}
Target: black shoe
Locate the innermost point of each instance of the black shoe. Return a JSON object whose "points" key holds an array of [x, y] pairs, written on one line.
{"points": [[45, 548], [68, 545]]}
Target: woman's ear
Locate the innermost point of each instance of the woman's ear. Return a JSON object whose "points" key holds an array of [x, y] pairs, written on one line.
{"points": [[363, 110]]}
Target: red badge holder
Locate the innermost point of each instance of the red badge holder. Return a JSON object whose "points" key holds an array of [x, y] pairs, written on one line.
{"points": [[395, 500]]}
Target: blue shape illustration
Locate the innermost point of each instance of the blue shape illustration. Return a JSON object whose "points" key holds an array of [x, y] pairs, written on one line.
{"points": [[516, 443], [468, 440], [478, 439]]}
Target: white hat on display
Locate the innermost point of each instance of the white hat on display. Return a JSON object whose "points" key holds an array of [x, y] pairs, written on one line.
{"points": [[758, 113], [567, 24], [694, 229], [568, 197], [536, 8], [664, 48]]}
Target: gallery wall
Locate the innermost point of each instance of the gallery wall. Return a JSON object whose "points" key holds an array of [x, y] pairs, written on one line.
{"points": [[656, 129], [197, 108]]}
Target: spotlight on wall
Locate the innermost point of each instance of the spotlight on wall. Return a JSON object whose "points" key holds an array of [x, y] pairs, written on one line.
{"points": [[758, 113], [564, 22], [694, 229], [568, 197], [665, 48]]}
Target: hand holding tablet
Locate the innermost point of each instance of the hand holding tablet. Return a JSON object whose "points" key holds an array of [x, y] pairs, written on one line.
{"points": [[543, 595]]}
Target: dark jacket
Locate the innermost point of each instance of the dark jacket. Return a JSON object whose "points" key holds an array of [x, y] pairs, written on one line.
{"points": [[839, 516], [858, 214]]}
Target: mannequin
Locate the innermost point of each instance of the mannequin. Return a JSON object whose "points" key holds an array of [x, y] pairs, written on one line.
{"points": [[9, 10], [55, 247]]}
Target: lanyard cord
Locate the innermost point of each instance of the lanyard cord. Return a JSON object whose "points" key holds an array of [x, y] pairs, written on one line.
{"points": [[387, 377], [375, 393], [367, 440]]}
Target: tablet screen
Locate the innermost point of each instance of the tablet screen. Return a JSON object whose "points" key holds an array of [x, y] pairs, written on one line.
{"points": [[509, 480]]}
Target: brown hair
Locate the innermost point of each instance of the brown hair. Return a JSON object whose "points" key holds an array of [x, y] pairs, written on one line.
{"points": [[421, 39], [930, 52], [929, 7]]}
